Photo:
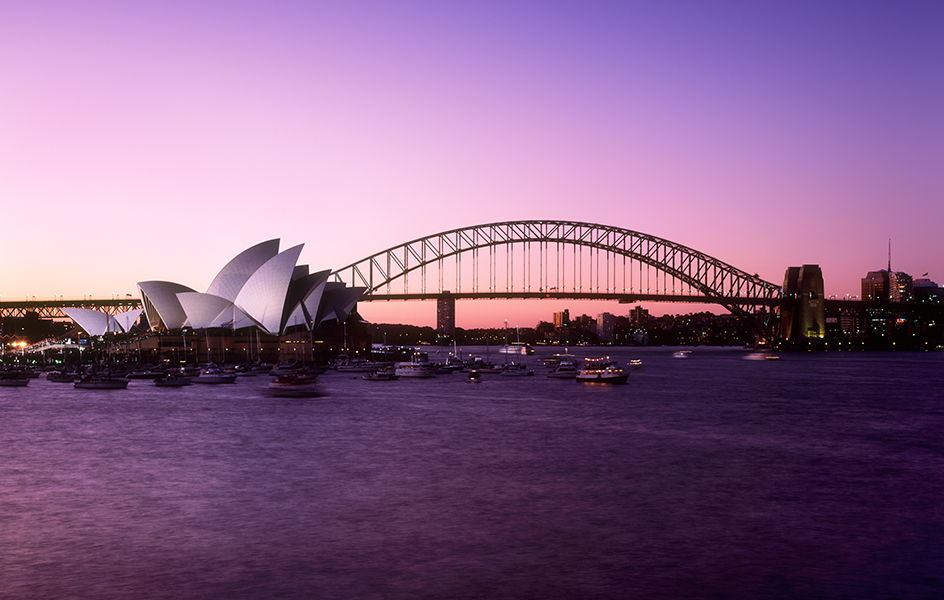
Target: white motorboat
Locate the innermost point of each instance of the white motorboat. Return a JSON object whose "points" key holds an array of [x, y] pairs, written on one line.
{"points": [[214, 375], [566, 369], [418, 368], [601, 370], [682, 354]]}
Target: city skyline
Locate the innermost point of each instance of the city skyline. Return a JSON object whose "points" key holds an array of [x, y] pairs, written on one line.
{"points": [[154, 142]]}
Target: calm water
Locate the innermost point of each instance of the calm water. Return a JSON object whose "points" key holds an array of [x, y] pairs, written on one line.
{"points": [[817, 476]]}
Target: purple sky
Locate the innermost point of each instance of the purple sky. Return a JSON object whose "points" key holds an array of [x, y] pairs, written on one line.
{"points": [[157, 142]]}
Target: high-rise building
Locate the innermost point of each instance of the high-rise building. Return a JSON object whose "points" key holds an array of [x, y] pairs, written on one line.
{"points": [[875, 285], [446, 315], [638, 315], [605, 326], [561, 319], [900, 287]]}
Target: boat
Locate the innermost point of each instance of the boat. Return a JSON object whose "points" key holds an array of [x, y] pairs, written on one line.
{"points": [[635, 364], [214, 375], [474, 376], [601, 370], [761, 356], [356, 365], [145, 374], [101, 382], [293, 386], [14, 378], [566, 369], [516, 370], [173, 380], [386, 374], [61, 376], [417, 368], [682, 354]]}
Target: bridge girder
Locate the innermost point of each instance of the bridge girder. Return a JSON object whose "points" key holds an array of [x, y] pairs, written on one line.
{"points": [[711, 277]]}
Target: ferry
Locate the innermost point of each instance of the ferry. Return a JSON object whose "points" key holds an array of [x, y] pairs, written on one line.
{"points": [[601, 370]]}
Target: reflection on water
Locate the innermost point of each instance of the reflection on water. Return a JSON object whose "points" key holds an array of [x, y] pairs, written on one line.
{"points": [[812, 476]]}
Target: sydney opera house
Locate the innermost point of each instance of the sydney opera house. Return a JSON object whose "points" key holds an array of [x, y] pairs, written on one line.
{"points": [[261, 287]]}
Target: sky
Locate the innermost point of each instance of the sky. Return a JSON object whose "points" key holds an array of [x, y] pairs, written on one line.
{"points": [[143, 141]]}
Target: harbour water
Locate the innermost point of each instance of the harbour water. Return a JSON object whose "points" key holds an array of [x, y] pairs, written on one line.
{"points": [[815, 476]]}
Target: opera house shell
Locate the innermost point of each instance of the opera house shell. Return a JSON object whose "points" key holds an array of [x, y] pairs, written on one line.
{"points": [[260, 287]]}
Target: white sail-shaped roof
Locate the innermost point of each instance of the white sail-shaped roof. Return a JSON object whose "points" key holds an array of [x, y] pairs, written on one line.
{"points": [[300, 290], [94, 322], [202, 309], [230, 280], [233, 318], [262, 297], [161, 304], [127, 319]]}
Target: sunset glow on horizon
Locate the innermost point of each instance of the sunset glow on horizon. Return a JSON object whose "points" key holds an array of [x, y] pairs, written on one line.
{"points": [[156, 142]]}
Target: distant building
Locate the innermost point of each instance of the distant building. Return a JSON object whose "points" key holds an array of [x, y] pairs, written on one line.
{"points": [[900, 287], [926, 291], [638, 315], [875, 285], [446, 315], [605, 323], [561, 319]]}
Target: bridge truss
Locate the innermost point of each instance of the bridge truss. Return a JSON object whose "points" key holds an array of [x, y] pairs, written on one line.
{"points": [[559, 259], [52, 309]]}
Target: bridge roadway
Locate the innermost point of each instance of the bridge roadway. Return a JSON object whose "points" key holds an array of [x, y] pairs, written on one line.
{"points": [[51, 309]]}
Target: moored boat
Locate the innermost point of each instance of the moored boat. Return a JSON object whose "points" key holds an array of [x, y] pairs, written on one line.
{"points": [[101, 382], [386, 374], [214, 375], [173, 380], [293, 386], [601, 370], [14, 378], [566, 369], [417, 368]]}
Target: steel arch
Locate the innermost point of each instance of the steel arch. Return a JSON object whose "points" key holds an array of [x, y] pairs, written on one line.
{"points": [[712, 278]]}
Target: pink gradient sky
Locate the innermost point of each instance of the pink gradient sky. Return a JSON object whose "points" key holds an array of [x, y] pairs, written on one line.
{"points": [[157, 142]]}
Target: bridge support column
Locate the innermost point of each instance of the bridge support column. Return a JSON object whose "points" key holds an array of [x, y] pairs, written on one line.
{"points": [[803, 316]]}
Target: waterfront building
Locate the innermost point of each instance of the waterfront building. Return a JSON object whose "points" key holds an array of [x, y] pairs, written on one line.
{"points": [[261, 287]]}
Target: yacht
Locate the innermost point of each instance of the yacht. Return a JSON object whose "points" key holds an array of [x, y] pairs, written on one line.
{"points": [[566, 369], [418, 367], [214, 375], [601, 370]]}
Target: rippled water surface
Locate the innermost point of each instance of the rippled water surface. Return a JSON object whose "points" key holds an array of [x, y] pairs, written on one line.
{"points": [[816, 476]]}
